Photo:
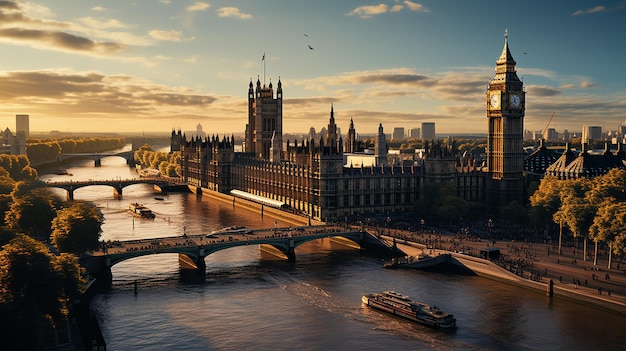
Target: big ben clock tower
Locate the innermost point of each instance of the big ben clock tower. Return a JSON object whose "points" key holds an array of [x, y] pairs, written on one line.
{"points": [[505, 115]]}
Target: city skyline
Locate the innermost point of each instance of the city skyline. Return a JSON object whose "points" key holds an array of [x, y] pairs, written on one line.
{"points": [[159, 65]]}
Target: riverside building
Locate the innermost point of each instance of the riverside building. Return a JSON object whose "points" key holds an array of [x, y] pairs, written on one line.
{"points": [[315, 177]]}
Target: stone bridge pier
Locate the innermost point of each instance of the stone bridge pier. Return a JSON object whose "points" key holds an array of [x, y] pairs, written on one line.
{"points": [[98, 267], [117, 191], [291, 251]]}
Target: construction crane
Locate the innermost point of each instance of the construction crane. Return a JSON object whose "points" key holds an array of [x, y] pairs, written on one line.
{"points": [[545, 131]]}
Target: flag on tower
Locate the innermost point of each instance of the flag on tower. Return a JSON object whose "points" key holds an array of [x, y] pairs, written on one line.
{"points": [[263, 59]]}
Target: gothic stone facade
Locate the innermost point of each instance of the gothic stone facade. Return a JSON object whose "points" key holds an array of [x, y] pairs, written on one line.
{"points": [[310, 176]]}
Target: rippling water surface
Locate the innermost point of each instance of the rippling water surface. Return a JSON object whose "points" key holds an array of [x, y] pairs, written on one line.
{"points": [[247, 301]]}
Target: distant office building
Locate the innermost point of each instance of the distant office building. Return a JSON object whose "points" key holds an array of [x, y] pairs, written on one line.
{"points": [[312, 133], [21, 124], [398, 133], [622, 131], [351, 138], [529, 135], [428, 130], [591, 133], [380, 149], [415, 133], [566, 135], [552, 134], [200, 132]]}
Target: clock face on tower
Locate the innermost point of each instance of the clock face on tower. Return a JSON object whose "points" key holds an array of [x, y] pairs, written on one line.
{"points": [[494, 100], [515, 100]]}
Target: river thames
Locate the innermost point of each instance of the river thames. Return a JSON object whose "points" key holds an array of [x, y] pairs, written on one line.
{"points": [[248, 301]]}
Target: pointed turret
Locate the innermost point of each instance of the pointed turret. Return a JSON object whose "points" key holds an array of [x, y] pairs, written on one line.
{"points": [[351, 139], [506, 70], [331, 132], [380, 147], [505, 56]]}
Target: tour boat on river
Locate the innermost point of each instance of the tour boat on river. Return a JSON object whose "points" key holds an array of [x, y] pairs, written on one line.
{"points": [[141, 211], [400, 305]]}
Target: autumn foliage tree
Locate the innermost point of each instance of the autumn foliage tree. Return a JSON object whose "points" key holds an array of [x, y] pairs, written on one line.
{"points": [[167, 163], [592, 208], [35, 289], [32, 209], [77, 228], [18, 167]]}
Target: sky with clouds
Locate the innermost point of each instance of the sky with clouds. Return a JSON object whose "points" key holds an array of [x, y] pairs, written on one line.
{"points": [[158, 65]]}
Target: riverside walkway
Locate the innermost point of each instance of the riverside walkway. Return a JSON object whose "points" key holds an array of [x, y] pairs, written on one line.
{"points": [[530, 265]]}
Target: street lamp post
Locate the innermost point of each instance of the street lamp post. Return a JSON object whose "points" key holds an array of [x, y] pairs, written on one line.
{"points": [[489, 225]]}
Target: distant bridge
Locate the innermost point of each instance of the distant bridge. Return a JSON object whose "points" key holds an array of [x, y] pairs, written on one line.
{"points": [[116, 184], [97, 157], [193, 249]]}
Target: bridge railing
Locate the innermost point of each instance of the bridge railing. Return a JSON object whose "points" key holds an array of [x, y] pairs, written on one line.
{"points": [[193, 240], [116, 181]]}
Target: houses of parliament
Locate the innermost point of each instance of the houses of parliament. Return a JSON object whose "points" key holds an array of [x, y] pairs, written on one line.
{"points": [[312, 177]]}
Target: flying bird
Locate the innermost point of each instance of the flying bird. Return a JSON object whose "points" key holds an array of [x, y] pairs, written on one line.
{"points": [[306, 35], [310, 47]]}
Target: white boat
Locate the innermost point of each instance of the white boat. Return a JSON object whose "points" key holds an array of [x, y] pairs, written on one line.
{"points": [[141, 211], [401, 305]]}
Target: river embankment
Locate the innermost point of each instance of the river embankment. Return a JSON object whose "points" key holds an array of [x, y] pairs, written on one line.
{"points": [[287, 217], [611, 300]]}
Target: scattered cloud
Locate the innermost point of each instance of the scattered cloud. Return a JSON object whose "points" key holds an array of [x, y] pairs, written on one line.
{"points": [[415, 6], [60, 40], [390, 77], [8, 5], [87, 93], [198, 6], [581, 85], [164, 1], [31, 9], [28, 24], [588, 85], [166, 35], [102, 23], [590, 10], [542, 90], [98, 8], [232, 12], [368, 11]]}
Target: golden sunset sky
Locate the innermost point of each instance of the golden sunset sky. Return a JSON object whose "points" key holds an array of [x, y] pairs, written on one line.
{"points": [[158, 65]]}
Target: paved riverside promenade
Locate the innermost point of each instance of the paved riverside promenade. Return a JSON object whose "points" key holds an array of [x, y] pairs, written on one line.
{"points": [[530, 265]]}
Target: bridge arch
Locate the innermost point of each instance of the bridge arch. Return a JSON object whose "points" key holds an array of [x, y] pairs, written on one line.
{"points": [[97, 157], [100, 265], [117, 185]]}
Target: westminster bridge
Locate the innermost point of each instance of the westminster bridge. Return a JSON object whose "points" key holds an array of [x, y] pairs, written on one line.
{"points": [[193, 249], [117, 184]]}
